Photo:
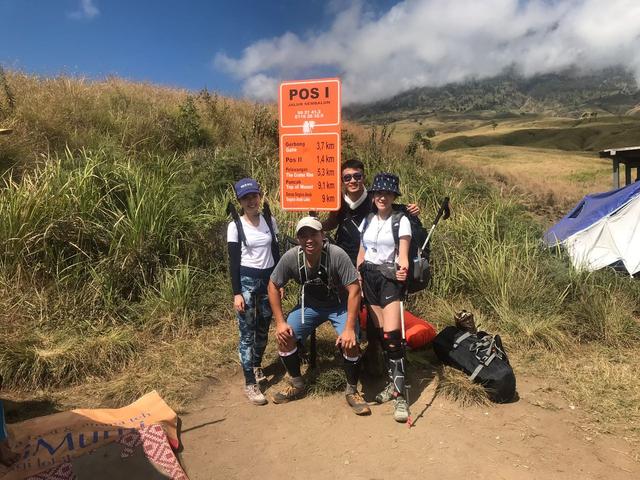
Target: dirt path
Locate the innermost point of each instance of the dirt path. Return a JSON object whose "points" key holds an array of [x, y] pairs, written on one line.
{"points": [[538, 437]]}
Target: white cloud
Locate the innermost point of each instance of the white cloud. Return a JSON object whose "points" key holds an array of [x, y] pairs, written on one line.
{"points": [[433, 42], [260, 87], [87, 10]]}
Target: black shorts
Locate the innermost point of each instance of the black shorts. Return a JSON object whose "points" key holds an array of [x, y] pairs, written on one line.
{"points": [[379, 290]]}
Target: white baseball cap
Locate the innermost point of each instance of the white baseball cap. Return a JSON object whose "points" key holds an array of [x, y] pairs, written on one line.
{"points": [[311, 222]]}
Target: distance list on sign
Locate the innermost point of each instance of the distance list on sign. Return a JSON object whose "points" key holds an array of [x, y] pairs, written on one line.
{"points": [[310, 170]]}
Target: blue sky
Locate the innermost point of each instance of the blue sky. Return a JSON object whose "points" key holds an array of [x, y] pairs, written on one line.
{"points": [[377, 47], [162, 41]]}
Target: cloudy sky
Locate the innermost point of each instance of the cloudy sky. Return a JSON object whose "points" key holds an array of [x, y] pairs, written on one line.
{"points": [[378, 48]]}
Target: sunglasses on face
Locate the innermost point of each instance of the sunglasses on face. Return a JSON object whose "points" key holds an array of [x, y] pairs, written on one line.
{"points": [[347, 177]]}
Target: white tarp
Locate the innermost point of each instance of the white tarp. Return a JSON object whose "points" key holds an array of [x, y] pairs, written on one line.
{"points": [[613, 238]]}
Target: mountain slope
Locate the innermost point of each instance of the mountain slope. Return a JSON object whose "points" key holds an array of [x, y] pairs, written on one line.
{"points": [[559, 94]]}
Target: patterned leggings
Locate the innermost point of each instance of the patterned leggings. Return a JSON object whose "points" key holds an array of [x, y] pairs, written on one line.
{"points": [[253, 324]]}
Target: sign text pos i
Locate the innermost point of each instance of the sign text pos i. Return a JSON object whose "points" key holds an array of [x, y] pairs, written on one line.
{"points": [[310, 144]]}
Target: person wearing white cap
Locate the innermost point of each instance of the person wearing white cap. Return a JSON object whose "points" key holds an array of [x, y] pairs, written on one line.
{"points": [[330, 292]]}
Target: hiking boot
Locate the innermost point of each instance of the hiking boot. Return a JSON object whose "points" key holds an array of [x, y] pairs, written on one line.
{"points": [[259, 374], [465, 321], [357, 403], [386, 395], [254, 394], [289, 393], [401, 410]]}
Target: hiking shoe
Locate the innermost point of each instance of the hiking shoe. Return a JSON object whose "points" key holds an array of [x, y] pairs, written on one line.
{"points": [[465, 321], [254, 394], [401, 410], [386, 395], [357, 403], [259, 374], [289, 393]]}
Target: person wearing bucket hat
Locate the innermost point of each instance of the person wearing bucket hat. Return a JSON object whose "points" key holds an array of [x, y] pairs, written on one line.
{"points": [[384, 264], [330, 292], [253, 253], [386, 182], [356, 205]]}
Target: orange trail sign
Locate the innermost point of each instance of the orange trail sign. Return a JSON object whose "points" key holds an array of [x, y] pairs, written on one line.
{"points": [[310, 145]]}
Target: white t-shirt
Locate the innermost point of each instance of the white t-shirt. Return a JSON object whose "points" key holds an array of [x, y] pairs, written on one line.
{"points": [[257, 252], [377, 239]]}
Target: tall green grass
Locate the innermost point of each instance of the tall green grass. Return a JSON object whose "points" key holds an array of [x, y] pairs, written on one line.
{"points": [[113, 253]]}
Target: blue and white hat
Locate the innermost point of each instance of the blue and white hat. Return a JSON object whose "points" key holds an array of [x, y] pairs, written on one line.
{"points": [[245, 187], [387, 182]]}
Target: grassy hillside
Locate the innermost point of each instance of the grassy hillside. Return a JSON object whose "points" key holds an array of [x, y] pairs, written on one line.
{"points": [[553, 160], [578, 135], [112, 256]]}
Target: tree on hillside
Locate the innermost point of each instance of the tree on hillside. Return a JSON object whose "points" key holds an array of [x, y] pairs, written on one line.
{"points": [[416, 142]]}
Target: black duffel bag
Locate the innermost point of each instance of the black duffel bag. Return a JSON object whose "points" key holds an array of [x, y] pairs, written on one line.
{"points": [[482, 357]]}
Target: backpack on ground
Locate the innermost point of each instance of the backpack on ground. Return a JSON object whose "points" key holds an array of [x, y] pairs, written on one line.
{"points": [[482, 357], [419, 275], [418, 331], [266, 213]]}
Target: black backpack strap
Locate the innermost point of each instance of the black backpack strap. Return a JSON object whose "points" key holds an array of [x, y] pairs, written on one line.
{"points": [[325, 263], [396, 216], [275, 248], [367, 221], [323, 269], [231, 210]]}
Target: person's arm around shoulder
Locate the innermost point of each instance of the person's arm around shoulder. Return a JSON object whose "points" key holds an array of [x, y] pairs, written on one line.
{"points": [[413, 209], [331, 221]]}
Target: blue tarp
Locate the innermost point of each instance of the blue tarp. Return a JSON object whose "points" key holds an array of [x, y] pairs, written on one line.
{"points": [[588, 211]]}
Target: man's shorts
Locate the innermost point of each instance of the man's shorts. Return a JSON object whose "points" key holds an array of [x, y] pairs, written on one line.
{"points": [[379, 290], [316, 316]]}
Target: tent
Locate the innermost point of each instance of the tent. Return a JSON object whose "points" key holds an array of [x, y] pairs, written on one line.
{"points": [[601, 230]]}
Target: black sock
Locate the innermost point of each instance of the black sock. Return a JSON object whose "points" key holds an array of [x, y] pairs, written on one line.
{"points": [[292, 364], [352, 371]]}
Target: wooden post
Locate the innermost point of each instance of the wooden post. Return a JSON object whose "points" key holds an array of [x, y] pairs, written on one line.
{"points": [[616, 174]]}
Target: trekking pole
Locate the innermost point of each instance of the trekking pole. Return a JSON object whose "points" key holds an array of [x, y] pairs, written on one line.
{"points": [[445, 212], [404, 347]]}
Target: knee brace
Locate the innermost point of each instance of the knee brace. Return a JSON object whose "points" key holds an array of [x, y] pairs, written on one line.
{"points": [[392, 344]]}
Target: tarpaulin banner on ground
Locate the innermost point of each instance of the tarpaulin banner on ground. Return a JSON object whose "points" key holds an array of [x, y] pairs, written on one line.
{"points": [[46, 442]]}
